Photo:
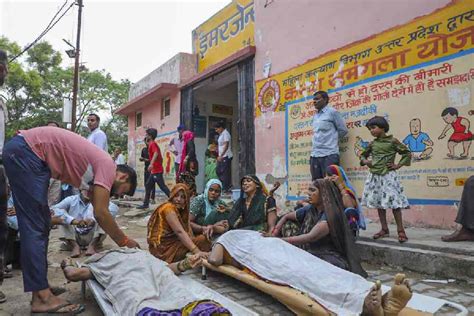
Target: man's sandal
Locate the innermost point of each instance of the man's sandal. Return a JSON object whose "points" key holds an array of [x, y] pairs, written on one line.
{"points": [[57, 290], [402, 236], [381, 234], [61, 310]]}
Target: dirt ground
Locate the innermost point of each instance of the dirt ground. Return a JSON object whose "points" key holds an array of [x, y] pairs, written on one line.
{"points": [[18, 302]]}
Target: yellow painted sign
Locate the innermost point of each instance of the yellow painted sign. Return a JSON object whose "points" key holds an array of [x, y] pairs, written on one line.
{"points": [[410, 75], [442, 33], [228, 31]]}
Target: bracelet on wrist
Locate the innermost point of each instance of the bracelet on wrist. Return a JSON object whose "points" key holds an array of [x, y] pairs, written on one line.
{"points": [[186, 264], [124, 241], [194, 248], [180, 268]]}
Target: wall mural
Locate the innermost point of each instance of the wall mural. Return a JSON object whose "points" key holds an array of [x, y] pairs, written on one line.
{"points": [[420, 76]]}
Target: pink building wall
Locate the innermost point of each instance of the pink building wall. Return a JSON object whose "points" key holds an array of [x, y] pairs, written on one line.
{"points": [[151, 117], [314, 28]]}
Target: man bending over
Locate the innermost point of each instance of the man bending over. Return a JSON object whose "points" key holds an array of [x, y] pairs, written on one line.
{"points": [[31, 158]]}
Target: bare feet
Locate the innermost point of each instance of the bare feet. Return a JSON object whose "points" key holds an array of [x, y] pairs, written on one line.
{"points": [[91, 250], [373, 301], [76, 250], [73, 273], [44, 301], [397, 298], [462, 234]]}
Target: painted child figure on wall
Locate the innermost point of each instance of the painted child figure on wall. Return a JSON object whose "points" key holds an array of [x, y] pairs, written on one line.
{"points": [[419, 143], [461, 132]]}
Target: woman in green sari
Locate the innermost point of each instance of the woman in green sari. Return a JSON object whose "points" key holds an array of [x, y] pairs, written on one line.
{"points": [[208, 213], [255, 209]]}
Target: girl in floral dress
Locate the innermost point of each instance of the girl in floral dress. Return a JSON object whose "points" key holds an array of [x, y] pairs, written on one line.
{"points": [[382, 188]]}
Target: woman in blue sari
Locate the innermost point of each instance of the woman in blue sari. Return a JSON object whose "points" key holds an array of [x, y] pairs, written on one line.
{"points": [[208, 213], [351, 203]]}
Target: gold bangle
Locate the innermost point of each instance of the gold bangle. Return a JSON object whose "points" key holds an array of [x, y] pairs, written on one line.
{"points": [[186, 264], [180, 269], [194, 248]]}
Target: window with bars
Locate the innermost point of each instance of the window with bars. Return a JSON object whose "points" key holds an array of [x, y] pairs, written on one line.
{"points": [[165, 107], [138, 119]]}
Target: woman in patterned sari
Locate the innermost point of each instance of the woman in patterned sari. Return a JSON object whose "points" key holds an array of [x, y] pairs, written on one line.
{"points": [[255, 209], [170, 236]]}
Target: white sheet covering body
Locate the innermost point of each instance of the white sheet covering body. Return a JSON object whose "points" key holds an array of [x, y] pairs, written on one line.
{"points": [[340, 291], [134, 279]]}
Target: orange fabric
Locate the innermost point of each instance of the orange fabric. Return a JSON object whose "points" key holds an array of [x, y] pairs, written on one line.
{"points": [[162, 241], [173, 250]]}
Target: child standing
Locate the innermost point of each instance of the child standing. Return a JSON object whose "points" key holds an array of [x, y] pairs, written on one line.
{"points": [[382, 188]]}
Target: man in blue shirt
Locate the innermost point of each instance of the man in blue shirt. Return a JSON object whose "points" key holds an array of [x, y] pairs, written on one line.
{"points": [[328, 127], [77, 225], [418, 142]]}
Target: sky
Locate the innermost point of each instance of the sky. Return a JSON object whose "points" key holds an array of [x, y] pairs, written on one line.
{"points": [[128, 39]]}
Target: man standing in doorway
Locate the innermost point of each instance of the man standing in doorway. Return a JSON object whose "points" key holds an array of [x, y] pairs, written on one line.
{"points": [[97, 136], [176, 145], [328, 128], [3, 180], [155, 168], [224, 158]]}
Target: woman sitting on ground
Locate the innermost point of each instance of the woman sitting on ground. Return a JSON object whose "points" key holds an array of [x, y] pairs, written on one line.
{"points": [[170, 236], [280, 263], [208, 213], [255, 209], [324, 231], [139, 284]]}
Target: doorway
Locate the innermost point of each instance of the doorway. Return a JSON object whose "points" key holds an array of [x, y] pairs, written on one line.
{"points": [[228, 97]]}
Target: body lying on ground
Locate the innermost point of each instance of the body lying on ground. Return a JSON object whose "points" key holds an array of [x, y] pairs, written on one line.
{"points": [[340, 291], [136, 283]]}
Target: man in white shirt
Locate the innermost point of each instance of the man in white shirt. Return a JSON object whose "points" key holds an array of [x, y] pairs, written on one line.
{"points": [[118, 157], [224, 159], [97, 136], [77, 225], [176, 145]]}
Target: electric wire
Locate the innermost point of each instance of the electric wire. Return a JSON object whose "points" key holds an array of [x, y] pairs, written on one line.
{"points": [[51, 24]]}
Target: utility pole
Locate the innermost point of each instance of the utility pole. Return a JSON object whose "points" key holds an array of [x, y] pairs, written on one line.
{"points": [[75, 86]]}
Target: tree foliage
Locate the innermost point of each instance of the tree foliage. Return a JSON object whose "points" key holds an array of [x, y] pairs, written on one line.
{"points": [[37, 85]]}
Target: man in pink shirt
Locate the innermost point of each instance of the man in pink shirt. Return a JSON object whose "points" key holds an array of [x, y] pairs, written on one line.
{"points": [[33, 157]]}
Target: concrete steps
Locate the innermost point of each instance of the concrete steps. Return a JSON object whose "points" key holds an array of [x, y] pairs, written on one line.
{"points": [[424, 252]]}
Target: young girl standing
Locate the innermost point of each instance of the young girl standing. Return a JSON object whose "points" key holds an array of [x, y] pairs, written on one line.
{"points": [[382, 188]]}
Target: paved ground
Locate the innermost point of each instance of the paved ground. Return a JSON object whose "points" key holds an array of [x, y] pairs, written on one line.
{"points": [[424, 238], [18, 302]]}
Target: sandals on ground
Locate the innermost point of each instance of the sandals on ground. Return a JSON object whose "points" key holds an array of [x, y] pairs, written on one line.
{"points": [[60, 310], [402, 236], [381, 234]]}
